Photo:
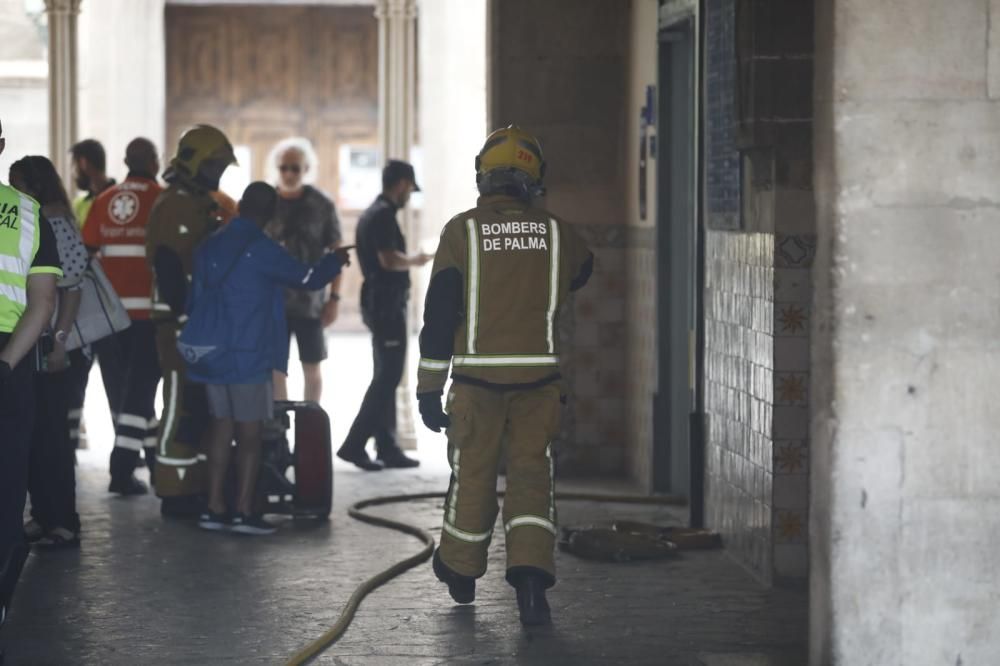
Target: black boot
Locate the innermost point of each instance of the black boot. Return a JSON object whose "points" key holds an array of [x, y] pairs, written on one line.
{"points": [[123, 481], [359, 459], [461, 588], [530, 584]]}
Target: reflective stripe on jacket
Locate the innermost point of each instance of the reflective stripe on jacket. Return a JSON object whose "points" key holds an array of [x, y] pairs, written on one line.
{"points": [[501, 273]]}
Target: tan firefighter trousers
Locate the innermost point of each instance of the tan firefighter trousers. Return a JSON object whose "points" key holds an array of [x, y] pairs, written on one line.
{"points": [[482, 421]]}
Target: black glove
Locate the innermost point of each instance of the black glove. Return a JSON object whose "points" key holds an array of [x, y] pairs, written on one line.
{"points": [[431, 412]]}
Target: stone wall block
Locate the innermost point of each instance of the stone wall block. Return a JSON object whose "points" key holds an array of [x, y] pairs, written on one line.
{"points": [[942, 154], [796, 34], [952, 434], [924, 246], [919, 49], [792, 87], [794, 211], [949, 618]]}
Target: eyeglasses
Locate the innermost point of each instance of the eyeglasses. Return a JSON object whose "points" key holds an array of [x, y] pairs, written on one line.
{"points": [[294, 168]]}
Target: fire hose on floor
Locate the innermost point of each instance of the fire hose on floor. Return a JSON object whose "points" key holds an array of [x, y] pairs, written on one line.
{"points": [[356, 511]]}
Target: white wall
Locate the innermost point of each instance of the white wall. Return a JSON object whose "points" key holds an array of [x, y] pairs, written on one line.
{"points": [[122, 75], [452, 107], [451, 115], [24, 81]]}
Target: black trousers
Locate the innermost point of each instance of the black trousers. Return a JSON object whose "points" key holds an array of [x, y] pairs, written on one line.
{"points": [[52, 461], [377, 416], [130, 368], [17, 411]]}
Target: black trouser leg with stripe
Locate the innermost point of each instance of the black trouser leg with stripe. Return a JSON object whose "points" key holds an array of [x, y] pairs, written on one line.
{"points": [[131, 371], [78, 375]]}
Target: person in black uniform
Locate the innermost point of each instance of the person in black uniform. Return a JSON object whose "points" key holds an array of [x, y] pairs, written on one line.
{"points": [[384, 295]]}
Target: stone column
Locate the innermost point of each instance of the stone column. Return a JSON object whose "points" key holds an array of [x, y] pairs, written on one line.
{"points": [[905, 525], [62, 15], [397, 32]]}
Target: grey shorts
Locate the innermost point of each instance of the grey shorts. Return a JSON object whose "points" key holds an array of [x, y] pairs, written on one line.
{"points": [[241, 402]]}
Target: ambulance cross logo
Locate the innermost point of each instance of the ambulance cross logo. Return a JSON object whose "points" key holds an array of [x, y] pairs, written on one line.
{"points": [[123, 208]]}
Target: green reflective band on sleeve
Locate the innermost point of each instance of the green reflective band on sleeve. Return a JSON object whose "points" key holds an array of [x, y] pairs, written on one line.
{"points": [[45, 270], [434, 365], [511, 361]]}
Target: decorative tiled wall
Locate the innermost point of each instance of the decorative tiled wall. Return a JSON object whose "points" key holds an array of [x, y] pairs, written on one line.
{"points": [[757, 309], [739, 393], [793, 258], [593, 334], [722, 158]]}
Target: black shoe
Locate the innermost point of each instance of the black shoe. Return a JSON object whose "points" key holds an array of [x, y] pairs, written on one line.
{"points": [[397, 459], [360, 460], [128, 486], [214, 522], [252, 525], [59, 538], [531, 602], [461, 588], [33, 531]]}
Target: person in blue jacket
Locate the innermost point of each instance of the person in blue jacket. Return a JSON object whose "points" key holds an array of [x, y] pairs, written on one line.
{"points": [[246, 272]]}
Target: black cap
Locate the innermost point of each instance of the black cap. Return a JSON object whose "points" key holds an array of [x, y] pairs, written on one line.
{"points": [[397, 170]]}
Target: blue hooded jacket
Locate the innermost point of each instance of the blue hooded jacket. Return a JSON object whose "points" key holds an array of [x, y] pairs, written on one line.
{"points": [[252, 299]]}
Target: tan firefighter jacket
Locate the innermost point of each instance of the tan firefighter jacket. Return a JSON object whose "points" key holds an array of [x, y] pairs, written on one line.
{"points": [[182, 217], [501, 273]]}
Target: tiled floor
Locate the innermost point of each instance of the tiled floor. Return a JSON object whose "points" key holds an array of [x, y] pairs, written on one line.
{"points": [[145, 591]]}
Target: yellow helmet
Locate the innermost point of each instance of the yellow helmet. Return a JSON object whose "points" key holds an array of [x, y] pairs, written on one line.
{"points": [[198, 145], [512, 148]]}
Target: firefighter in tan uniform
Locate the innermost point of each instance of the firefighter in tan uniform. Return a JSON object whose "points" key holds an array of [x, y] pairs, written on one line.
{"points": [[501, 273], [182, 217]]}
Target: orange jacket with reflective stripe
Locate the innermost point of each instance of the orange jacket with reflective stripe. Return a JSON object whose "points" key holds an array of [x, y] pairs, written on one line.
{"points": [[116, 226]]}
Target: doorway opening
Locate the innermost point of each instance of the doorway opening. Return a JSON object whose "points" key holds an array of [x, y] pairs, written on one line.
{"points": [[677, 456]]}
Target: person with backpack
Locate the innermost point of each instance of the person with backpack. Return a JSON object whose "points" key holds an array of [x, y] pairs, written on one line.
{"points": [[236, 337]]}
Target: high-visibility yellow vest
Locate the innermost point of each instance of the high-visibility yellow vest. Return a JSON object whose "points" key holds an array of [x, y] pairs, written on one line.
{"points": [[81, 208], [19, 236]]}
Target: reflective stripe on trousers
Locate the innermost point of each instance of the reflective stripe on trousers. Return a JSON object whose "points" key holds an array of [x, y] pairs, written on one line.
{"points": [[483, 424]]}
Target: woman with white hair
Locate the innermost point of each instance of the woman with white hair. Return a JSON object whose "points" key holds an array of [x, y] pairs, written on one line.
{"points": [[306, 225]]}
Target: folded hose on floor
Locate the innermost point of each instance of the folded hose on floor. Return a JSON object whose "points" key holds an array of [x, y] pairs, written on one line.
{"points": [[356, 511]]}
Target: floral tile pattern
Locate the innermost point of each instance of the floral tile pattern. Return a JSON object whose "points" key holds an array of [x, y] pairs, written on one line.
{"points": [[791, 388]]}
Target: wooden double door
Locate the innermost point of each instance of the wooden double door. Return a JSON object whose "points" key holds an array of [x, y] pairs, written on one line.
{"points": [[265, 73]]}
